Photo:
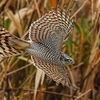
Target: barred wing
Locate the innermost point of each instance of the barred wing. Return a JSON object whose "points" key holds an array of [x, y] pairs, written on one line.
{"points": [[57, 73], [49, 24]]}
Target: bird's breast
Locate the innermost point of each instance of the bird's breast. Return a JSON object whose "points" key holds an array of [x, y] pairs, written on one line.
{"points": [[44, 53]]}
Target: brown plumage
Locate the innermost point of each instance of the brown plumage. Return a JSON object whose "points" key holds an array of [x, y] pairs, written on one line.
{"points": [[46, 37]]}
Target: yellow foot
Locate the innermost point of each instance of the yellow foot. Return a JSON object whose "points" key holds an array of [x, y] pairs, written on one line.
{"points": [[18, 47]]}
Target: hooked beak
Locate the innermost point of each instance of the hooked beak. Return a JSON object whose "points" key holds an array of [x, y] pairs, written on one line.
{"points": [[74, 63]]}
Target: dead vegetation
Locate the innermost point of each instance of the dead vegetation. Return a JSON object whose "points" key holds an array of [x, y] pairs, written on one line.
{"points": [[19, 79]]}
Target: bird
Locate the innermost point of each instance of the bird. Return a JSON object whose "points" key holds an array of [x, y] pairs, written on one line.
{"points": [[46, 36]]}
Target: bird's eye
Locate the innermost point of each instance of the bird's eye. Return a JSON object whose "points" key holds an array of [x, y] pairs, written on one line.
{"points": [[68, 60]]}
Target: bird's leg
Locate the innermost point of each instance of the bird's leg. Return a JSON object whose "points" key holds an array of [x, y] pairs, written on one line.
{"points": [[19, 44], [19, 47], [75, 87]]}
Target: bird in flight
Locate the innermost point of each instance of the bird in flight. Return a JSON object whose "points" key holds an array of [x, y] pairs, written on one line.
{"points": [[46, 36]]}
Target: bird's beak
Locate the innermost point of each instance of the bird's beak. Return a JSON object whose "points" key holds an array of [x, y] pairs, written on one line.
{"points": [[74, 63]]}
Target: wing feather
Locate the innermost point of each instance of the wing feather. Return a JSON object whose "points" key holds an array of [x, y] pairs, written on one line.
{"points": [[57, 73], [44, 27]]}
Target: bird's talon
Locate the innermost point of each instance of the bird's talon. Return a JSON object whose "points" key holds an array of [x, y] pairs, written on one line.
{"points": [[18, 47], [75, 87]]}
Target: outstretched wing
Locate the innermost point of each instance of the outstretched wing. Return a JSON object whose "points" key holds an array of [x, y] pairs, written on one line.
{"points": [[53, 24], [6, 44], [57, 73]]}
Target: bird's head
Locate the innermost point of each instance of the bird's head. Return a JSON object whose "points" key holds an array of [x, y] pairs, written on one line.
{"points": [[66, 60]]}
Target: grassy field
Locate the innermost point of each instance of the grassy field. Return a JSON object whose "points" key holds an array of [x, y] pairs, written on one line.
{"points": [[19, 78]]}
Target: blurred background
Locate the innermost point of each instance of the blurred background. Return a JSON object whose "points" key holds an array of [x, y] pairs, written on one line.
{"points": [[19, 77]]}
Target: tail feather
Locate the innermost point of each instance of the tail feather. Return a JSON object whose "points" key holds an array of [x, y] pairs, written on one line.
{"points": [[6, 48]]}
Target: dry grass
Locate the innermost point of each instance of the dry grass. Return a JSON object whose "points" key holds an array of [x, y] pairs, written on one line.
{"points": [[18, 76]]}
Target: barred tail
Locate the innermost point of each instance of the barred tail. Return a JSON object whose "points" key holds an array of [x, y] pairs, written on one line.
{"points": [[7, 46]]}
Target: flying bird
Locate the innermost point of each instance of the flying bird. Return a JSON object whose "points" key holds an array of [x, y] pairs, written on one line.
{"points": [[46, 36]]}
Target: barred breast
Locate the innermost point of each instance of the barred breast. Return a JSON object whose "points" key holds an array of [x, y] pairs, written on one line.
{"points": [[45, 53]]}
